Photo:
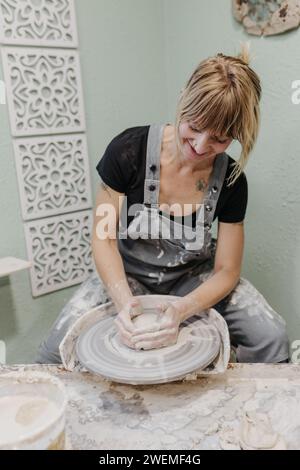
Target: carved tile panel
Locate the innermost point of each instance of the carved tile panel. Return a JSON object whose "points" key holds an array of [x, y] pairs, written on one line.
{"points": [[60, 251], [53, 175], [38, 23], [44, 91]]}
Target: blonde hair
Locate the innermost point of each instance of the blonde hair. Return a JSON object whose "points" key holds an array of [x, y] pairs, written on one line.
{"points": [[223, 95]]}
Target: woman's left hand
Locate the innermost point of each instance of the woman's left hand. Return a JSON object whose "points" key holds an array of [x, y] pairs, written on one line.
{"points": [[168, 329]]}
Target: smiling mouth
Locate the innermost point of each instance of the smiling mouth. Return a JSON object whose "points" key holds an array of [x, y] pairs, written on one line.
{"points": [[195, 153]]}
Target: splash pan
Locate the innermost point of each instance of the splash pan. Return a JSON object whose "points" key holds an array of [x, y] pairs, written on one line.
{"points": [[101, 351]]}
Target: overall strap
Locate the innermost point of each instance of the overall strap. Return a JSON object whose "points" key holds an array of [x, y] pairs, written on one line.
{"points": [[151, 186], [214, 189]]}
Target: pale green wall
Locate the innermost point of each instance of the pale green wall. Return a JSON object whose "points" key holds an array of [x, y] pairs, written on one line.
{"points": [[135, 57]]}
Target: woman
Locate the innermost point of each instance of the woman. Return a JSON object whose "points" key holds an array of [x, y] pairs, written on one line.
{"points": [[181, 177]]}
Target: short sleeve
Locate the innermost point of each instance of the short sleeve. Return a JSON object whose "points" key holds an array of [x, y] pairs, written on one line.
{"points": [[234, 209], [113, 166]]}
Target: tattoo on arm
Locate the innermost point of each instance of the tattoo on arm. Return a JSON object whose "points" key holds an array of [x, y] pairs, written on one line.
{"points": [[105, 187]]}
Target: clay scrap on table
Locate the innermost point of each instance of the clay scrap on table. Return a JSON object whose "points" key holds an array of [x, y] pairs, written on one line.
{"points": [[267, 17], [255, 432]]}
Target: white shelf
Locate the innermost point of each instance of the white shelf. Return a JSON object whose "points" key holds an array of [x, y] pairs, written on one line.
{"points": [[11, 265]]}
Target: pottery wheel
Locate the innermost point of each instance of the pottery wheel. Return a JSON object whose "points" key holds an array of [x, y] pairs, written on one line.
{"points": [[101, 351]]}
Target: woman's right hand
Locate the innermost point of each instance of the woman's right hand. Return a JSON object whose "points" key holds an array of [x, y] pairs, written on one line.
{"points": [[124, 322]]}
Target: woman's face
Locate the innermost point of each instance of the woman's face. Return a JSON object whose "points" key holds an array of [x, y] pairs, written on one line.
{"points": [[201, 145]]}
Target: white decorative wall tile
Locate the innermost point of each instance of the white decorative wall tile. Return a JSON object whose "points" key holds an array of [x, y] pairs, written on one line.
{"points": [[44, 90], [46, 113], [53, 175], [38, 23], [60, 251]]}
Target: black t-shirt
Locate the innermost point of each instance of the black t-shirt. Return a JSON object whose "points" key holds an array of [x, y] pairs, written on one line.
{"points": [[123, 168]]}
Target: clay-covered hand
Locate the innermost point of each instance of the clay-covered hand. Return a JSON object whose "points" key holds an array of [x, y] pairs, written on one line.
{"points": [[124, 323], [166, 333]]}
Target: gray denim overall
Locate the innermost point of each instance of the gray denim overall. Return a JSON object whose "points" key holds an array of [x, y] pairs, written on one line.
{"points": [[175, 266], [159, 262]]}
